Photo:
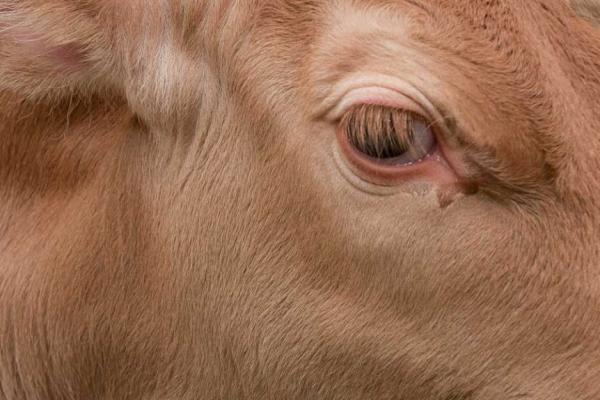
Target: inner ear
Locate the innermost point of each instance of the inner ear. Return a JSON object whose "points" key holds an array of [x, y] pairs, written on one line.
{"points": [[588, 9], [52, 51], [62, 57]]}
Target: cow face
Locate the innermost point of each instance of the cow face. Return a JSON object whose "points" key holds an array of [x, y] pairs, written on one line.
{"points": [[299, 199]]}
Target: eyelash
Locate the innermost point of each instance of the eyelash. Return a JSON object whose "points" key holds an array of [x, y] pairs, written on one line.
{"points": [[387, 135]]}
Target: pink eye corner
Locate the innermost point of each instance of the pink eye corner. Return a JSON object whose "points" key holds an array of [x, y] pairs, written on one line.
{"points": [[389, 146]]}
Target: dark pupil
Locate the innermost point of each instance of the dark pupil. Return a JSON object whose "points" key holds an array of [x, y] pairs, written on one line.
{"points": [[379, 132]]}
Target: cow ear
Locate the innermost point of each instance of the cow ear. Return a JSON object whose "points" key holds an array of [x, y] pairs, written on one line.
{"points": [[588, 9], [132, 49], [50, 50]]}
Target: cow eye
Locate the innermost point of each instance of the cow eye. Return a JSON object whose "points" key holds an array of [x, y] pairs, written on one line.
{"points": [[385, 137]]}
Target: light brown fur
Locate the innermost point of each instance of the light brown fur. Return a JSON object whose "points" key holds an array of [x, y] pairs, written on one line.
{"points": [[172, 225]]}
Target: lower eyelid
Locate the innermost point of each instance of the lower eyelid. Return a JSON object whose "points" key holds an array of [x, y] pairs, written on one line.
{"points": [[449, 186], [434, 169], [429, 168]]}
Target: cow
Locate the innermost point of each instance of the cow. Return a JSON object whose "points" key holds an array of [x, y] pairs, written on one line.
{"points": [[299, 199]]}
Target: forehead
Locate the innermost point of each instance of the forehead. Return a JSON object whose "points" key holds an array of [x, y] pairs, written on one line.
{"points": [[512, 20], [533, 47], [523, 36]]}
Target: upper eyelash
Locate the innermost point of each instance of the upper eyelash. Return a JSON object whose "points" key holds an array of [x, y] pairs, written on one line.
{"points": [[376, 129]]}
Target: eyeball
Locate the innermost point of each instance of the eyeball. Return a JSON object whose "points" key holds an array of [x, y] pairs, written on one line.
{"points": [[386, 135]]}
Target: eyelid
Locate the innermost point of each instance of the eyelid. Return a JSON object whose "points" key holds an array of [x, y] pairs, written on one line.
{"points": [[376, 96], [383, 88]]}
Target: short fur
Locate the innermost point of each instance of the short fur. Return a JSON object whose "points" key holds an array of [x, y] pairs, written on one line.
{"points": [[174, 225], [589, 9]]}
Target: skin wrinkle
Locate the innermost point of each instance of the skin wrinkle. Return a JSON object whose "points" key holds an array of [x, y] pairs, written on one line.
{"points": [[173, 224]]}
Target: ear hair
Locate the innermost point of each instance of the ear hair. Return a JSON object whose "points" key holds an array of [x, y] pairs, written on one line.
{"points": [[54, 49], [49, 49], [588, 9]]}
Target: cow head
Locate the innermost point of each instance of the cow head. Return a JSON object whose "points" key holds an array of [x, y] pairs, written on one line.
{"points": [[299, 199]]}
